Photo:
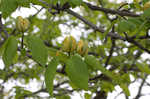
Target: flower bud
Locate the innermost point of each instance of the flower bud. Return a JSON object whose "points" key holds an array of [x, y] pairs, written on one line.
{"points": [[57, 53], [66, 44], [79, 46], [82, 47], [72, 43], [69, 44], [22, 24], [137, 1], [146, 5]]}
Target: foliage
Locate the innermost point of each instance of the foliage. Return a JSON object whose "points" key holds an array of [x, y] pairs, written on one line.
{"points": [[114, 38]]}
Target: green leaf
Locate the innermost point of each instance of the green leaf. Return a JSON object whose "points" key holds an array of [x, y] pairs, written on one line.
{"points": [[77, 71], [2, 47], [136, 21], [21, 92], [54, 2], [144, 1], [107, 86], [10, 51], [125, 26], [146, 13], [144, 68], [62, 2], [75, 3], [87, 96], [109, 28], [38, 50], [38, 2], [7, 7], [54, 52], [49, 75], [125, 78], [92, 62], [23, 3], [2, 74], [95, 64], [63, 97], [125, 89]]}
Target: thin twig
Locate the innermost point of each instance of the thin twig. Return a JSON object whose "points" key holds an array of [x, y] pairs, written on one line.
{"points": [[110, 53], [22, 40], [140, 88]]}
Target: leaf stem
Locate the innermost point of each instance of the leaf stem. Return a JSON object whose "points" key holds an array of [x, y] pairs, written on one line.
{"points": [[22, 39]]}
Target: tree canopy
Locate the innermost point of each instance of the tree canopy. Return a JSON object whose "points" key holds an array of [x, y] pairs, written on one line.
{"points": [[110, 51]]}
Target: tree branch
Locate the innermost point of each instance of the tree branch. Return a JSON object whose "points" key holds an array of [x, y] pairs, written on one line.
{"points": [[105, 10], [140, 88], [93, 26], [110, 52], [114, 35], [137, 44], [55, 88]]}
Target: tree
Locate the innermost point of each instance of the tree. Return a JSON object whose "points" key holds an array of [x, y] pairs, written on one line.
{"points": [[115, 36]]}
